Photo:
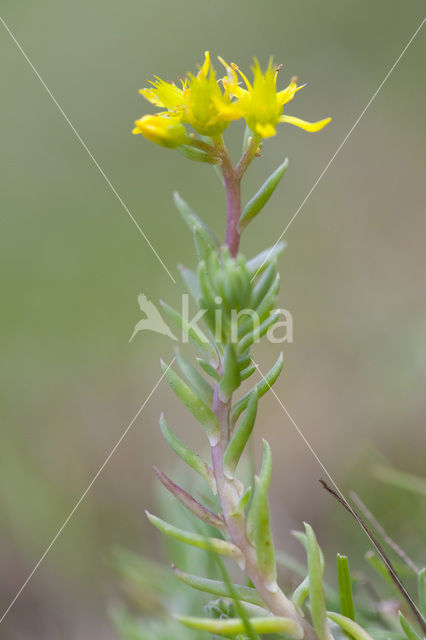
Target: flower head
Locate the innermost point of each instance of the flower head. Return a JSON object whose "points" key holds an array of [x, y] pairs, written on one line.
{"points": [[207, 109], [260, 104], [162, 129], [209, 105], [199, 102]]}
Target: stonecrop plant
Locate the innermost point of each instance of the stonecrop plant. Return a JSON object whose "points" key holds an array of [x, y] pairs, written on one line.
{"points": [[236, 297]]}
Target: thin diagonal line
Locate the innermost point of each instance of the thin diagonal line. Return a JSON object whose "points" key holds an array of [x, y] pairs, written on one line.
{"points": [[84, 494], [299, 431], [84, 145], [333, 157]]}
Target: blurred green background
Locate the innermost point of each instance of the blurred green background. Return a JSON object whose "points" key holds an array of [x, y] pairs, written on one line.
{"points": [[72, 264]]}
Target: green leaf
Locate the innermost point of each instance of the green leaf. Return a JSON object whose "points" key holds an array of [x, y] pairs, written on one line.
{"points": [[242, 502], [407, 628], [263, 284], [316, 591], [258, 264], [247, 372], [196, 540], [345, 587], [230, 380], [199, 384], [421, 586], [258, 522], [209, 369], [192, 219], [199, 510], [264, 308], [184, 452], [352, 628], [269, 301], [203, 243], [196, 154], [235, 626], [194, 404], [219, 588], [301, 593], [261, 388], [191, 281], [258, 332], [240, 437], [191, 331], [256, 204]]}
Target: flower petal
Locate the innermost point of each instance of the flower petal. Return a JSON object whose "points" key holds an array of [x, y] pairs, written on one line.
{"points": [[306, 126]]}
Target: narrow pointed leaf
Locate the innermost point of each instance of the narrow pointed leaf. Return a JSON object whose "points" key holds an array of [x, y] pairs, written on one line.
{"points": [[263, 284], [270, 299], [209, 369], [258, 522], [189, 502], [264, 308], [191, 281], [352, 628], [192, 219], [203, 243], [184, 452], [194, 404], [301, 593], [258, 332], [196, 154], [243, 502], [256, 204], [194, 334], [255, 266], [407, 628], [316, 591], [199, 384], [236, 626], [231, 374], [345, 587], [219, 588], [240, 437], [195, 539], [247, 372], [261, 388]]}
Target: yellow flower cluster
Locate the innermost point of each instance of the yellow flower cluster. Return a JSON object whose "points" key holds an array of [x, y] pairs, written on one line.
{"points": [[209, 105]]}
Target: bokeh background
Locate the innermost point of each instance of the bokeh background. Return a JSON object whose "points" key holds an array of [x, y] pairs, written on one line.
{"points": [[72, 264]]}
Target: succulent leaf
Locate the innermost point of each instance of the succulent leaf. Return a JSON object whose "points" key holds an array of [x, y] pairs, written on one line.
{"points": [[219, 588], [345, 587], [194, 404], [256, 204], [235, 626], [316, 591], [184, 452], [240, 437], [199, 384], [195, 539]]}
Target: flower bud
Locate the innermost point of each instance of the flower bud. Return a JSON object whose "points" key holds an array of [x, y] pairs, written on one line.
{"points": [[168, 132]]}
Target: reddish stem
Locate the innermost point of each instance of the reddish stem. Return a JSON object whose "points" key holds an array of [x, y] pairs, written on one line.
{"points": [[233, 207]]}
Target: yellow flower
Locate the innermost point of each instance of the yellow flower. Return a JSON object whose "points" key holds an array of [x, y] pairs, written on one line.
{"points": [[162, 129], [260, 103], [165, 94], [198, 102], [207, 109]]}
